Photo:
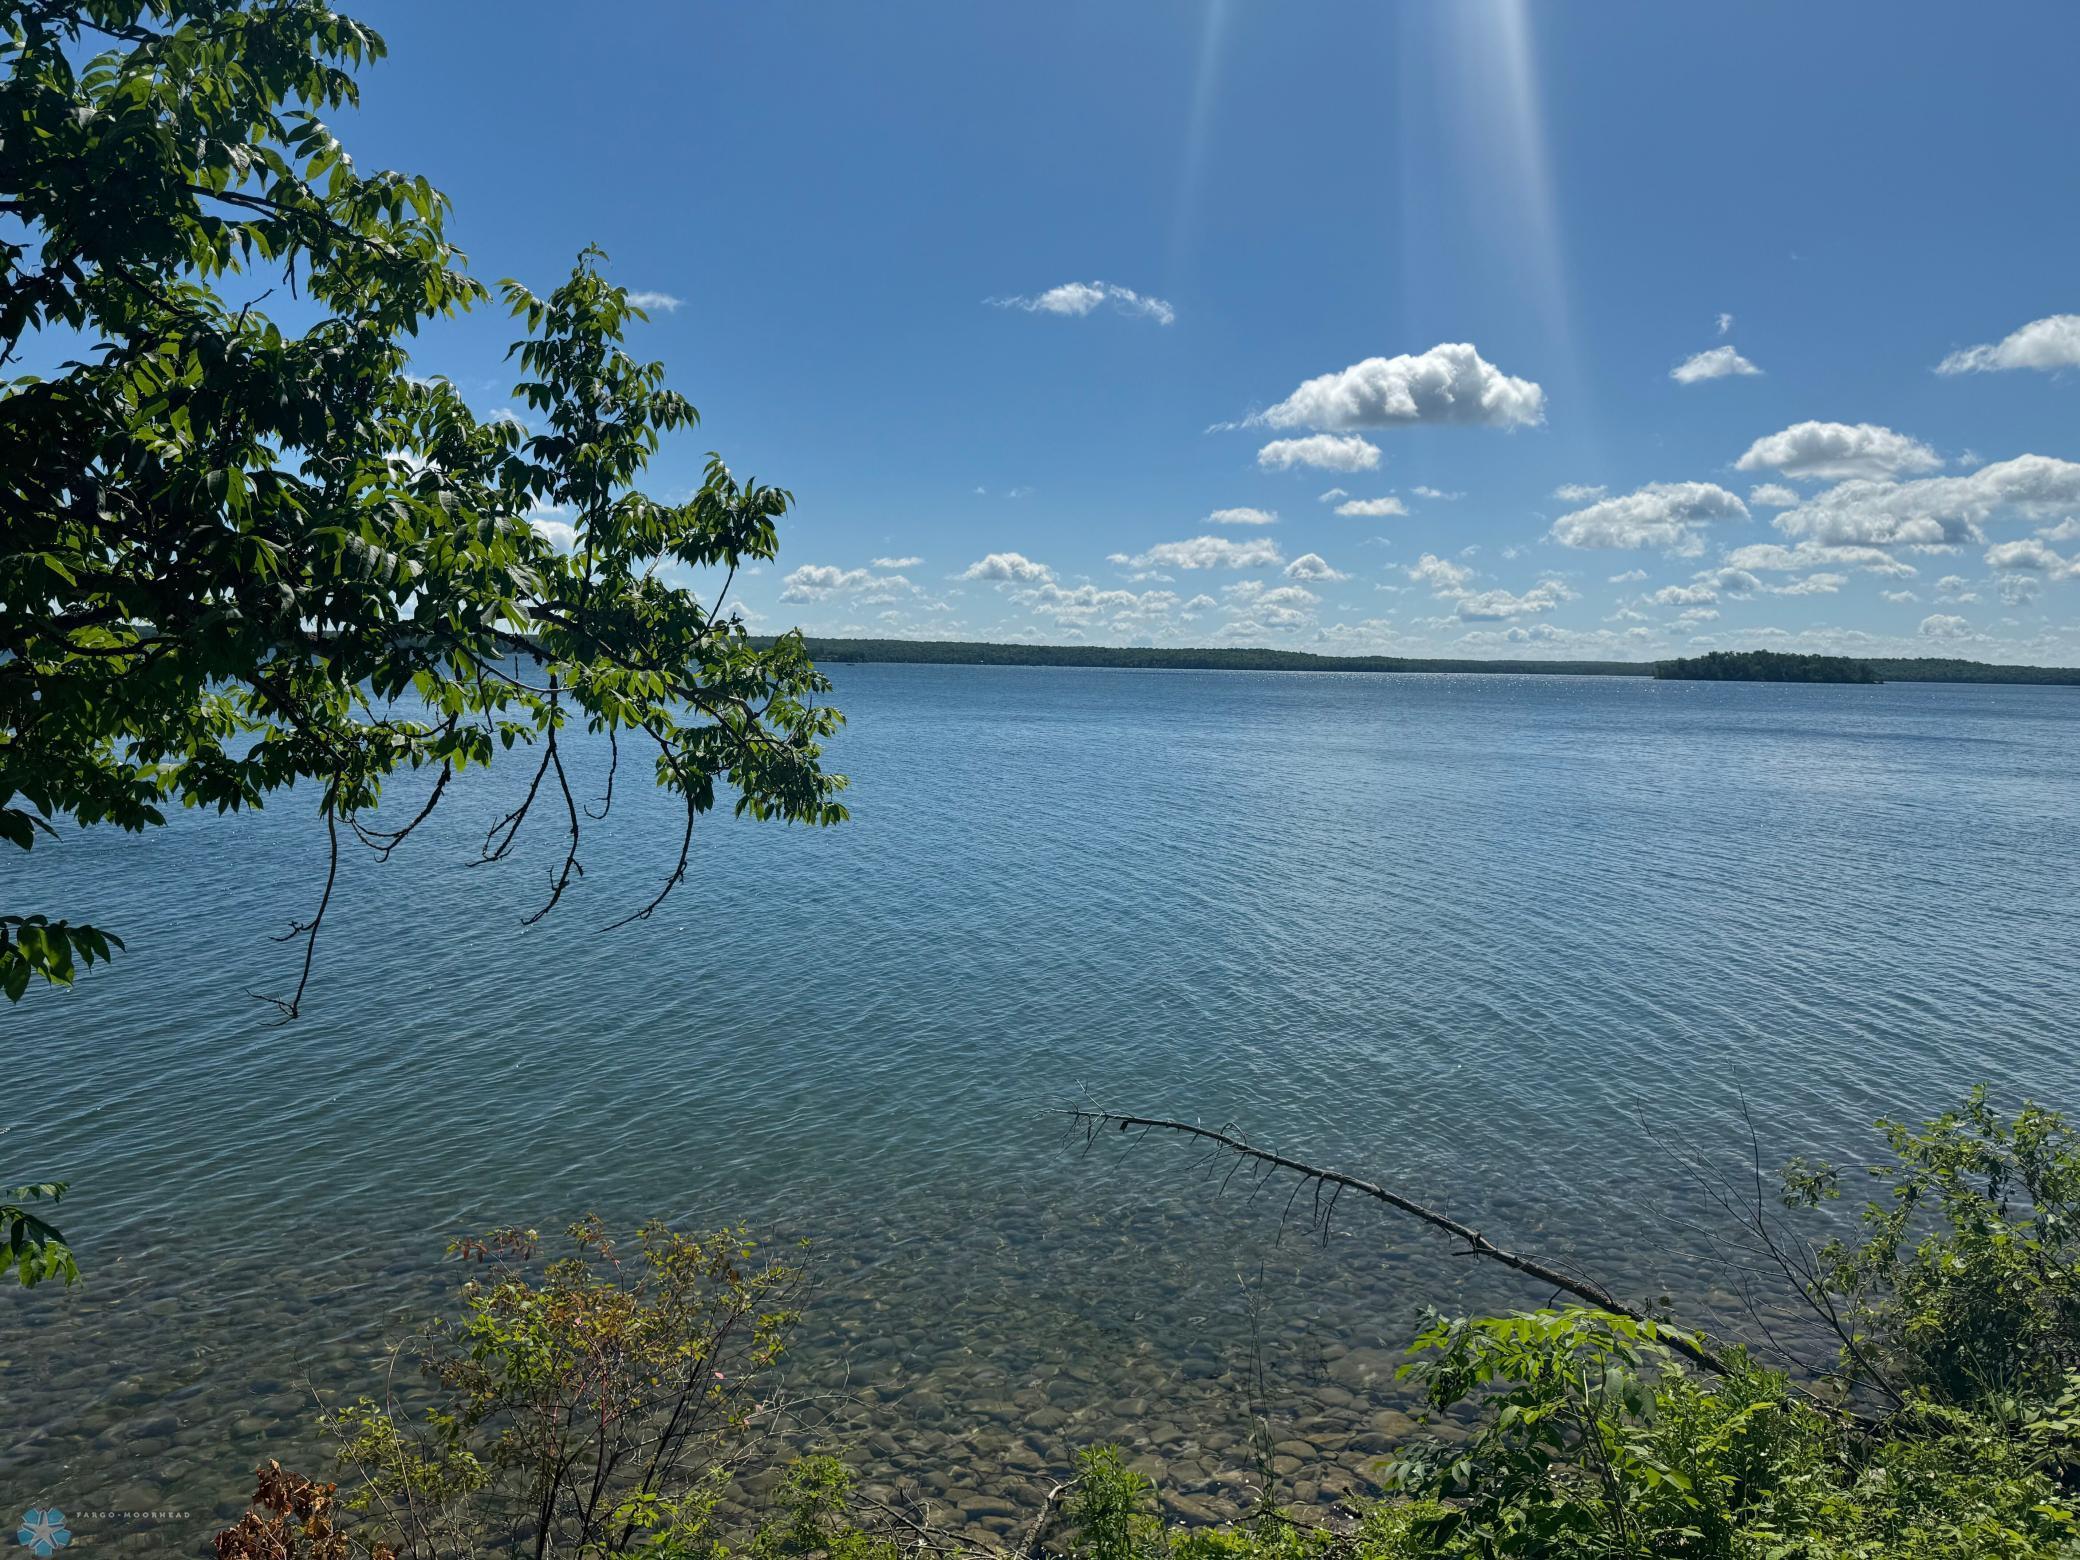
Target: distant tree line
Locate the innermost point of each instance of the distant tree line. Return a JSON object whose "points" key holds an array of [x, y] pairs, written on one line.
{"points": [[1950, 669], [1767, 666], [947, 652]]}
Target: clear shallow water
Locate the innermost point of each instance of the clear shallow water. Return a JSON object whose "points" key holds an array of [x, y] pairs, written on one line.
{"points": [[1459, 933]]}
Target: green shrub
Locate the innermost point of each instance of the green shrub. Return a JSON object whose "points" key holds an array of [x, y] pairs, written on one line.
{"points": [[1965, 1283], [1113, 1509], [590, 1406], [816, 1517], [1595, 1440]]}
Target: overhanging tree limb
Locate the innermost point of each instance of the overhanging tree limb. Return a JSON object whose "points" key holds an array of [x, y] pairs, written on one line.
{"points": [[237, 556]]}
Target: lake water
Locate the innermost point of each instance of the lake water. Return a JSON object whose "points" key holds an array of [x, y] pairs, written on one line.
{"points": [[1486, 938]]}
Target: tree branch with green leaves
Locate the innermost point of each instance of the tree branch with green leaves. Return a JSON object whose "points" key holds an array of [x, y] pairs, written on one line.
{"points": [[240, 558]]}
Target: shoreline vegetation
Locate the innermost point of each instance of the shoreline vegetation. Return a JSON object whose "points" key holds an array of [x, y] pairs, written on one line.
{"points": [[612, 1396], [955, 652]]}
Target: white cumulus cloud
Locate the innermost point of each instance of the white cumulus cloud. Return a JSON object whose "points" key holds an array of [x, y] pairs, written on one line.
{"points": [[2050, 343], [1278, 596], [553, 523], [1451, 383], [1773, 495], [1834, 452], [1945, 625], [1713, 363], [656, 300], [1243, 516], [1323, 451], [1776, 558], [1451, 582], [1684, 596], [1074, 300], [1729, 581], [1444, 577], [1007, 566], [1313, 566], [1287, 606], [897, 563], [2031, 555], [1371, 508], [1669, 515], [821, 581], [1814, 585], [813, 581], [1205, 552], [1495, 606], [1934, 511], [1086, 604]]}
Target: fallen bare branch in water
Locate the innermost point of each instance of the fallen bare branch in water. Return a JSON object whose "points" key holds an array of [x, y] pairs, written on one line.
{"points": [[1691, 1345]]}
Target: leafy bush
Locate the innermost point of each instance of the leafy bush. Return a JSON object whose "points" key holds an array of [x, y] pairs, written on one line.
{"points": [[1114, 1509], [1594, 1440], [593, 1407], [816, 1518], [1965, 1285]]}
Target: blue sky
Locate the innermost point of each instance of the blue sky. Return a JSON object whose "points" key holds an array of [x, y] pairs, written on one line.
{"points": [[1017, 298]]}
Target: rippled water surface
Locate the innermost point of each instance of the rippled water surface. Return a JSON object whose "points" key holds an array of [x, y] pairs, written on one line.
{"points": [[1485, 938]]}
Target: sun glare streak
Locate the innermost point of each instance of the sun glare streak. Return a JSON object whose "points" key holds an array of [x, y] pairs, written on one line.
{"points": [[1198, 131], [1476, 170], [1510, 45]]}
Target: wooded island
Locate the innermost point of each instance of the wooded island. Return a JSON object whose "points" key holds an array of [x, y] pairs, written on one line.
{"points": [[1767, 666]]}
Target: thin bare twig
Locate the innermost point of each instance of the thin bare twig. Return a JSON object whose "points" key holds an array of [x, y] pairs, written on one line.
{"points": [[1793, 1257], [678, 872], [308, 930], [571, 868]]}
